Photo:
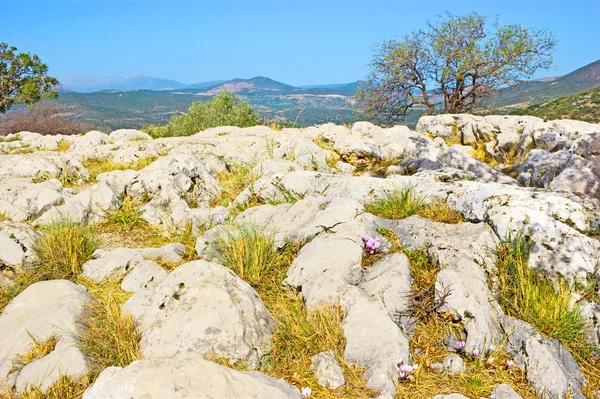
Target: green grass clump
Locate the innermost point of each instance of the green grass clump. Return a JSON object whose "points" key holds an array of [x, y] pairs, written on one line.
{"points": [[63, 248], [95, 166], [401, 203], [128, 217], [247, 250]]}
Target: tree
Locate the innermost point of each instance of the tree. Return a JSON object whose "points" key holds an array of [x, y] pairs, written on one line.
{"points": [[457, 61], [224, 110], [23, 78]]}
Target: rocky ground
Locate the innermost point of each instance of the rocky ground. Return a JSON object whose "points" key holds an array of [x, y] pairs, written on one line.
{"points": [[458, 260]]}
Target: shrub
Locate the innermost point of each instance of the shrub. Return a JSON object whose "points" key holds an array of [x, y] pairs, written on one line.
{"points": [[45, 118], [63, 248], [224, 110]]}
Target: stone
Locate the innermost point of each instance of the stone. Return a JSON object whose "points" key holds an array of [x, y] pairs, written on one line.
{"points": [[202, 379], [122, 135], [146, 275], [202, 307], [450, 396], [451, 364], [17, 242], [43, 310], [504, 391], [549, 366], [328, 371]]}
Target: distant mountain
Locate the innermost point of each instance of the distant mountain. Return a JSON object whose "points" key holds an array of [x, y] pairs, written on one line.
{"points": [[583, 106], [541, 90], [204, 85], [89, 84]]}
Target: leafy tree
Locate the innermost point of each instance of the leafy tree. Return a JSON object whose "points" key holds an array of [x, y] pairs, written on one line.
{"points": [[459, 57], [224, 110], [23, 78]]}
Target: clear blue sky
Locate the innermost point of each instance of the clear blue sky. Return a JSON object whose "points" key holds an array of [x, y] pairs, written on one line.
{"points": [[296, 42]]}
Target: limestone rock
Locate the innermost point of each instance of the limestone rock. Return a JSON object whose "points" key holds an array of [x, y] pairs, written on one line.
{"points": [[327, 370], [199, 308], [165, 378]]}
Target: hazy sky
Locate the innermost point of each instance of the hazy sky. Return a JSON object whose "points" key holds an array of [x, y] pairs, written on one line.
{"points": [[296, 42]]}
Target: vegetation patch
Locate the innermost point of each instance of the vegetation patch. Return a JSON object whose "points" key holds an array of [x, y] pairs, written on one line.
{"points": [[545, 305], [400, 203], [233, 182], [128, 216], [64, 388], [95, 166], [110, 337], [428, 346]]}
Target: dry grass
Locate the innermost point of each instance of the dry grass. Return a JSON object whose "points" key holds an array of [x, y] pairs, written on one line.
{"points": [[233, 182], [64, 388], [95, 166], [333, 157], [401, 203], [40, 349], [3, 217]]}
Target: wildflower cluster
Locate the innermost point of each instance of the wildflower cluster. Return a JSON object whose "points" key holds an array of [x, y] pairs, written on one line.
{"points": [[406, 369], [335, 195], [371, 244], [509, 363], [306, 391]]}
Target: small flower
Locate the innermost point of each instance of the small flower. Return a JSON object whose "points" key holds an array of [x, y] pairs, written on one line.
{"points": [[336, 195], [306, 391], [460, 345], [475, 352], [219, 219], [492, 348], [510, 364], [415, 367], [490, 361]]}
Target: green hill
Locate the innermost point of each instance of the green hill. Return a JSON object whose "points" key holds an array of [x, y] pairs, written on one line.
{"points": [[584, 106]]}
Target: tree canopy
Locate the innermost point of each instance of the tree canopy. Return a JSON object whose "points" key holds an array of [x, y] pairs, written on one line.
{"points": [[455, 63], [23, 78]]}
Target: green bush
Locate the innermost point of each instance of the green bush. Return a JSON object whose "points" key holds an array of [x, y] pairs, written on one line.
{"points": [[224, 110]]}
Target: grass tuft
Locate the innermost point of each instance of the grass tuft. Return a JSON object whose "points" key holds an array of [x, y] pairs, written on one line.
{"points": [[64, 388], [63, 248], [95, 166], [38, 351], [128, 216], [401, 203], [247, 250]]}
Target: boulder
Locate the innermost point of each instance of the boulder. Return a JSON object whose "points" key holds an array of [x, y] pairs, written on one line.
{"points": [[199, 308], [328, 371]]}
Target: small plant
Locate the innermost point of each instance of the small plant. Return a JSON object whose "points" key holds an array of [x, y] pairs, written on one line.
{"points": [[63, 248], [247, 250], [371, 244], [128, 216]]}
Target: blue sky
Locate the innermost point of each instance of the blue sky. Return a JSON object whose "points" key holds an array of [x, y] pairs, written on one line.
{"points": [[296, 42]]}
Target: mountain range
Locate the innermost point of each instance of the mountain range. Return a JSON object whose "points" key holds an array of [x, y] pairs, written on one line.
{"points": [[137, 101]]}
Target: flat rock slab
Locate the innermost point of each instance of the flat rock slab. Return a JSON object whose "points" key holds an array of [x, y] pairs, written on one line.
{"points": [[199, 379]]}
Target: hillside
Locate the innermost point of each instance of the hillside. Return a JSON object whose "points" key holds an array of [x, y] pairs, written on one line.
{"points": [[538, 91], [584, 106]]}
